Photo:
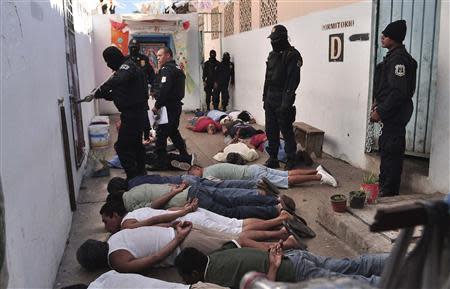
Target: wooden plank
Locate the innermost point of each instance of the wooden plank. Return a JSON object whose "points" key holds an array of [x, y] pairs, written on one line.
{"points": [[415, 29], [397, 10], [384, 18], [424, 78]]}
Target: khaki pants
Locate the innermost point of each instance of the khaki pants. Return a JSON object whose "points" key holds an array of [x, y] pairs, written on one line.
{"points": [[205, 240]]}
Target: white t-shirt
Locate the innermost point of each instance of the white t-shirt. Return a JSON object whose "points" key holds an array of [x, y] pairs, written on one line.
{"points": [[113, 279], [201, 217], [144, 241], [241, 148]]}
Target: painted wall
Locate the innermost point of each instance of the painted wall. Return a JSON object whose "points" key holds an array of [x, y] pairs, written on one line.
{"points": [[102, 39], [322, 99], [34, 76], [440, 143]]}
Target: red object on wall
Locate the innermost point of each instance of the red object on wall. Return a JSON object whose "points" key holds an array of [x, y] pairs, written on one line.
{"points": [[186, 25], [118, 37]]}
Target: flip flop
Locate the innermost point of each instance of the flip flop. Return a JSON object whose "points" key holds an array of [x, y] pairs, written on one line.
{"points": [[300, 228], [291, 231], [180, 165], [271, 186], [287, 203]]}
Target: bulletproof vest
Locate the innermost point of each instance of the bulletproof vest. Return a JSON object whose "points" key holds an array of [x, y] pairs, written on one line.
{"points": [[178, 80], [276, 70], [132, 95]]}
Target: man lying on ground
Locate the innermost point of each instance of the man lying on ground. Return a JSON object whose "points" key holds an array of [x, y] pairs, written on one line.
{"points": [[113, 279], [229, 202], [138, 250], [227, 266], [282, 179], [115, 218], [204, 124]]}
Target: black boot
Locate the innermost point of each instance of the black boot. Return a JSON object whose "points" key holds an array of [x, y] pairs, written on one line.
{"points": [[272, 163]]}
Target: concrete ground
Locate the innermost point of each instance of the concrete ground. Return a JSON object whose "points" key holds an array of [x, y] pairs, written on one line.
{"points": [[309, 198]]}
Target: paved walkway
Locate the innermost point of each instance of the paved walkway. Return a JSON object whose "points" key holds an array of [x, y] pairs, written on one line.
{"points": [[309, 197]]}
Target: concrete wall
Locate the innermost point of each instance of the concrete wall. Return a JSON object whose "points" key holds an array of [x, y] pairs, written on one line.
{"points": [[440, 143], [338, 103], [34, 76], [102, 39]]}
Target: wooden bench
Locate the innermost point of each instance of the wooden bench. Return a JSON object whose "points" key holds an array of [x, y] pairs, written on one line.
{"points": [[309, 137]]}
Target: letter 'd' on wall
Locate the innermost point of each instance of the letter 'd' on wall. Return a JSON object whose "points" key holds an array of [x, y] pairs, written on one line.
{"points": [[336, 48]]}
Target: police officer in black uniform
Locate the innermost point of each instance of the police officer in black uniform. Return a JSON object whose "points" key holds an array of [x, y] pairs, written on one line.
{"points": [[169, 93], [282, 79], [394, 87], [209, 77], [225, 78], [127, 89], [141, 61]]}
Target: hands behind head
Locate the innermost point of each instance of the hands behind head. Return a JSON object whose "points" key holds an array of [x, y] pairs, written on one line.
{"points": [[276, 254]]}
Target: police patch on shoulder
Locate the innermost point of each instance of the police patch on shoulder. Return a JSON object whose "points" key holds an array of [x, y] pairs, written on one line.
{"points": [[400, 70], [124, 67], [163, 79]]}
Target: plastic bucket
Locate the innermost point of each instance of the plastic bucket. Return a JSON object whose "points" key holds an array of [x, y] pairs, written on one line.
{"points": [[372, 191], [99, 135]]}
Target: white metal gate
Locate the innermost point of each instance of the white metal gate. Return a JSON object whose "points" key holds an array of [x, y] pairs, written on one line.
{"points": [[421, 42]]}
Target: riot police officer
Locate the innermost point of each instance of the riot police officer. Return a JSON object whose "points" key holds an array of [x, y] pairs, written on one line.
{"points": [[141, 61], [209, 77], [225, 78], [169, 93], [394, 87], [281, 81], [127, 89]]}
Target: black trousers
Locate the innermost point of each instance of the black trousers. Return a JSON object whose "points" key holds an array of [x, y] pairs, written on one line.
{"points": [[129, 146], [170, 130], [277, 121], [223, 90], [211, 93], [392, 154]]}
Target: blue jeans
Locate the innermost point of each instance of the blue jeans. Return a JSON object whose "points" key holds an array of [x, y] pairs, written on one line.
{"points": [[241, 184], [277, 177], [366, 268], [282, 156], [235, 203]]}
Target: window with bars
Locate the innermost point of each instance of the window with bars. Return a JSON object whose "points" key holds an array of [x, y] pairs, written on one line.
{"points": [[268, 15], [215, 18], [73, 83], [201, 22], [245, 15], [229, 19]]}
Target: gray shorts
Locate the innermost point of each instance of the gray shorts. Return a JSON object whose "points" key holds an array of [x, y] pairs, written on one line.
{"points": [[205, 240], [277, 177]]}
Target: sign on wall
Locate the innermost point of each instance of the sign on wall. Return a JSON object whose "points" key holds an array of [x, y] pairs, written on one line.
{"points": [[336, 48]]}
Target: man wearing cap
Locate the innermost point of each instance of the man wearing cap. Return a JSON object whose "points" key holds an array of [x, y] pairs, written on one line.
{"points": [[281, 81], [394, 86], [141, 60]]}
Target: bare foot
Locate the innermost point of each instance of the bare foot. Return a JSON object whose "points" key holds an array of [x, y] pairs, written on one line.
{"points": [[291, 243]]}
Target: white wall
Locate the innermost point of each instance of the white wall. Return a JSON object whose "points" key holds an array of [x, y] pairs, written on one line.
{"points": [[440, 143], [34, 76], [331, 96], [102, 39]]}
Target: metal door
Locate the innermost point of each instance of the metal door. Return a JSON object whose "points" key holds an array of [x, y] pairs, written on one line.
{"points": [[421, 42]]}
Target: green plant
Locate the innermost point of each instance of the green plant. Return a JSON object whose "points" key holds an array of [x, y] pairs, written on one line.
{"points": [[370, 179], [338, 198], [357, 194]]}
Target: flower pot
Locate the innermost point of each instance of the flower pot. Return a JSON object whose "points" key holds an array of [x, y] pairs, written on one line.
{"points": [[339, 203], [357, 199], [372, 191]]}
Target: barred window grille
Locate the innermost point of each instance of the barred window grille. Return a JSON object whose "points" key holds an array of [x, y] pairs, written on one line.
{"points": [[268, 15], [201, 22], [215, 18], [229, 19], [245, 15]]}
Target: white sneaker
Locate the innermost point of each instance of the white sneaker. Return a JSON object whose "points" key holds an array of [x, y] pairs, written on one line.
{"points": [[319, 168], [327, 178]]}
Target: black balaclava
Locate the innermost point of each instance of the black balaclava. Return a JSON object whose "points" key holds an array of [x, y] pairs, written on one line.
{"points": [[113, 57], [134, 47], [280, 44], [226, 57], [212, 55]]}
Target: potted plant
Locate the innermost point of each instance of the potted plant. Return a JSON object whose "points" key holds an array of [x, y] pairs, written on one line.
{"points": [[371, 187], [339, 203], [357, 199]]}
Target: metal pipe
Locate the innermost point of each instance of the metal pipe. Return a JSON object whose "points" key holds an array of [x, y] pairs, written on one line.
{"points": [[67, 158]]}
